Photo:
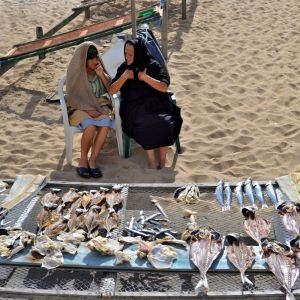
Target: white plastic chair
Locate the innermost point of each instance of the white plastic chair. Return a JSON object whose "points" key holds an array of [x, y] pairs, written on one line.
{"points": [[69, 130]]}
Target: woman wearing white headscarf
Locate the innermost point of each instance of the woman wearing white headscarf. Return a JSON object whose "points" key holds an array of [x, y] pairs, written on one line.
{"points": [[89, 105]]}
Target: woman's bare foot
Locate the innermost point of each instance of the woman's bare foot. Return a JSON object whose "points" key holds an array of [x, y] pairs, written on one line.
{"points": [[83, 163]]}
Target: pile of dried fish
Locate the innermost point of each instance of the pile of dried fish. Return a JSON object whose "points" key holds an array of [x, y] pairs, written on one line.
{"points": [[282, 262], [240, 255], [64, 222], [93, 211], [189, 194], [151, 227], [290, 216]]}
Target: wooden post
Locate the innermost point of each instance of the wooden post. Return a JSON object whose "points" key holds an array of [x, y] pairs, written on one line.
{"points": [[164, 33], [133, 18], [183, 9], [39, 35], [87, 13]]}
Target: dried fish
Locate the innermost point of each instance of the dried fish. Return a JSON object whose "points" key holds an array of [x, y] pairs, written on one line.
{"points": [[158, 206], [259, 195], [219, 193], [228, 194], [239, 194], [189, 194], [290, 216], [105, 246], [282, 262], [249, 192], [255, 226], [271, 193], [161, 256], [122, 257], [240, 255], [205, 247]]}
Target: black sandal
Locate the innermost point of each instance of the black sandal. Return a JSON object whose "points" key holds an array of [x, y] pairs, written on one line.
{"points": [[83, 172], [96, 172]]}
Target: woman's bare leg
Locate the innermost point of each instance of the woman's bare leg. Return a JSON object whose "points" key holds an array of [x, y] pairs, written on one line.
{"points": [[151, 159], [98, 144], [86, 143], [162, 156]]}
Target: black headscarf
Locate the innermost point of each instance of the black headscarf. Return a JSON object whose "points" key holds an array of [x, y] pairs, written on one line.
{"points": [[141, 55]]}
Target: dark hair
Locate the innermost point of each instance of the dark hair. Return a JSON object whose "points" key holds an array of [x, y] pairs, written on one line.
{"points": [[92, 52]]}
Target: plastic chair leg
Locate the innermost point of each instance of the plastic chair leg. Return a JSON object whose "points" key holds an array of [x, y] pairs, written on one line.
{"points": [[126, 145], [69, 147], [178, 147]]}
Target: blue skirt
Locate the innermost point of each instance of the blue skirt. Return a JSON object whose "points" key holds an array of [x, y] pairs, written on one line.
{"points": [[99, 123]]}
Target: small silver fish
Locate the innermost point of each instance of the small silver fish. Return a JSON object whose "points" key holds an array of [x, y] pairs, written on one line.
{"points": [[271, 193], [259, 195], [219, 194], [239, 194], [249, 192], [228, 194]]}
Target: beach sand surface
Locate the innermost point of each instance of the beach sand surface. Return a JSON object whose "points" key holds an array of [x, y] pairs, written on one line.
{"points": [[235, 70]]}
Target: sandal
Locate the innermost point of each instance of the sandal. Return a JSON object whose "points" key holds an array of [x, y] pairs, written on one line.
{"points": [[95, 172], [83, 172]]}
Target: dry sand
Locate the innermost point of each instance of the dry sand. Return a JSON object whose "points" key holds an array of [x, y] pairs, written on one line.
{"points": [[235, 70]]}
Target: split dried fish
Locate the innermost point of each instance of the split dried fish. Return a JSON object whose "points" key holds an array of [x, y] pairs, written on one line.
{"points": [[290, 216], [205, 247], [240, 255], [255, 226], [282, 262]]}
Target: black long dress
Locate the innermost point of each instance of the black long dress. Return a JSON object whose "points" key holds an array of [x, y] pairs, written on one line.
{"points": [[148, 116]]}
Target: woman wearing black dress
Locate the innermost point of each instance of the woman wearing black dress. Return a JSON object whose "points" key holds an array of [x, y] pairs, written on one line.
{"points": [[147, 114]]}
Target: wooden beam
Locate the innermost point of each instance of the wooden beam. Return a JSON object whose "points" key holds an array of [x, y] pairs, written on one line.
{"points": [[183, 9], [133, 18], [50, 32]]}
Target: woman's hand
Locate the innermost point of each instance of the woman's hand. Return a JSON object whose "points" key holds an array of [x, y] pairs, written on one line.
{"points": [[99, 70], [93, 113], [129, 74], [142, 75]]}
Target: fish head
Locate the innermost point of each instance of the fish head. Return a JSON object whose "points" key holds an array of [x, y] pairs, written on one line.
{"points": [[295, 243], [248, 212], [233, 238]]}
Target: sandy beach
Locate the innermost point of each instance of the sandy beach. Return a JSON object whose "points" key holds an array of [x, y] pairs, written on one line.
{"points": [[235, 70]]}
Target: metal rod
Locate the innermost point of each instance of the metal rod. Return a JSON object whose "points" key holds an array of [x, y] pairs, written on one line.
{"points": [[164, 33]]}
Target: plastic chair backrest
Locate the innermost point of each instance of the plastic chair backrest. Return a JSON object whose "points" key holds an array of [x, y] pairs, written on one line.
{"points": [[62, 100], [113, 57]]}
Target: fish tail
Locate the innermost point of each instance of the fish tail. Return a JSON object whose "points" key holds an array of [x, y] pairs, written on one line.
{"points": [[289, 295], [202, 285], [264, 205], [245, 279]]}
